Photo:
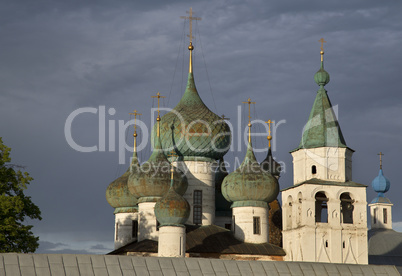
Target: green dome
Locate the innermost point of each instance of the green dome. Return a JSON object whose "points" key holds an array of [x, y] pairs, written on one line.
{"points": [[249, 184], [222, 206], [153, 178], [322, 76], [270, 165], [195, 131], [118, 194], [172, 209]]}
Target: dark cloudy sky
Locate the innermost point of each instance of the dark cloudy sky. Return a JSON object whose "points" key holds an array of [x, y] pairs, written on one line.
{"points": [[59, 56]]}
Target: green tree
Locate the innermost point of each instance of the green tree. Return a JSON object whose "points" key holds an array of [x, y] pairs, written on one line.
{"points": [[15, 236]]}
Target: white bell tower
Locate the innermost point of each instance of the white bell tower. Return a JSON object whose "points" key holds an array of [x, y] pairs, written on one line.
{"points": [[324, 212]]}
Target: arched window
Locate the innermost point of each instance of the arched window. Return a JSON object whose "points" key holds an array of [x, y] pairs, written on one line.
{"points": [[299, 209], [313, 169], [346, 208], [321, 208], [289, 213]]}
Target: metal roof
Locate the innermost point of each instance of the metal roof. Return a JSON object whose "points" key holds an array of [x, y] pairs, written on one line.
{"points": [[12, 264]]}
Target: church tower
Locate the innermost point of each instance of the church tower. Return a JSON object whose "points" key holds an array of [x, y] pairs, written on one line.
{"points": [[381, 207], [200, 138], [324, 212], [125, 204], [172, 211], [250, 188], [150, 183]]}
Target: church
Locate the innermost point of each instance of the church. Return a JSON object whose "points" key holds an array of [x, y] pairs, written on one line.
{"points": [[182, 202]]}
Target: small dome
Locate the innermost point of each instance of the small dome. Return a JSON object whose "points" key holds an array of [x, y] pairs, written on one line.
{"points": [[270, 165], [250, 184], [380, 184], [153, 178], [322, 76], [172, 209], [193, 130], [118, 194], [222, 206]]}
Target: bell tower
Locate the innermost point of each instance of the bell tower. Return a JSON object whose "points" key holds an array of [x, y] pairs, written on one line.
{"points": [[324, 212]]}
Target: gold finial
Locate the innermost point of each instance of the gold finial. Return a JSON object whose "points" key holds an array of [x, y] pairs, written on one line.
{"points": [[249, 102], [322, 48], [158, 96], [380, 154], [172, 154], [269, 137], [135, 128], [190, 18], [191, 47]]}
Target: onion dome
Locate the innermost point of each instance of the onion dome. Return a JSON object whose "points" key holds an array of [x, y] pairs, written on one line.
{"points": [[152, 179], [197, 132], [249, 184], [222, 206], [118, 194], [172, 209], [381, 185], [322, 76]]}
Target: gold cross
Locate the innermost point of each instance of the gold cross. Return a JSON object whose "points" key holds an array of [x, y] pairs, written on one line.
{"points": [[190, 18], [224, 118], [158, 95], [135, 121], [269, 137], [380, 154], [172, 154], [249, 102], [322, 43]]}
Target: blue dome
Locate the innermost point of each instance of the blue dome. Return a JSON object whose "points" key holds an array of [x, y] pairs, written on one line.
{"points": [[380, 184]]}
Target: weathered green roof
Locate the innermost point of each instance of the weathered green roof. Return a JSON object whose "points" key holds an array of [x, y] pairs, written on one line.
{"points": [[193, 129], [315, 181], [152, 180], [172, 209], [322, 128], [118, 194], [222, 206], [250, 183]]}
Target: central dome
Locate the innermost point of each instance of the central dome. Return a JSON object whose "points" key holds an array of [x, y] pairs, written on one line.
{"points": [[194, 130]]}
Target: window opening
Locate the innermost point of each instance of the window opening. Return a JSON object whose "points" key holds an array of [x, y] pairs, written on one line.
{"points": [[256, 225], [313, 169], [384, 211], [346, 208], [134, 230], [321, 208], [197, 207]]}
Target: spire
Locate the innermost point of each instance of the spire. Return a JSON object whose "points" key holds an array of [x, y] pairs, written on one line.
{"points": [[190, 47], [158, 119], [249, 102], [135, 131], [269, 164], [322, 128], [322, 76]]}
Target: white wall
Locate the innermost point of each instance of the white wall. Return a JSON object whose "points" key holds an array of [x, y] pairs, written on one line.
{"points": [[147, 221], [377, 215], [333, 164], [243, 224], [304, 239], [123, 232], [172, 241], [200, 176]]}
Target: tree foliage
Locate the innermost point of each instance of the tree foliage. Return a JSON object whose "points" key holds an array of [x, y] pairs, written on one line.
{"points": [[15, 207]]}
